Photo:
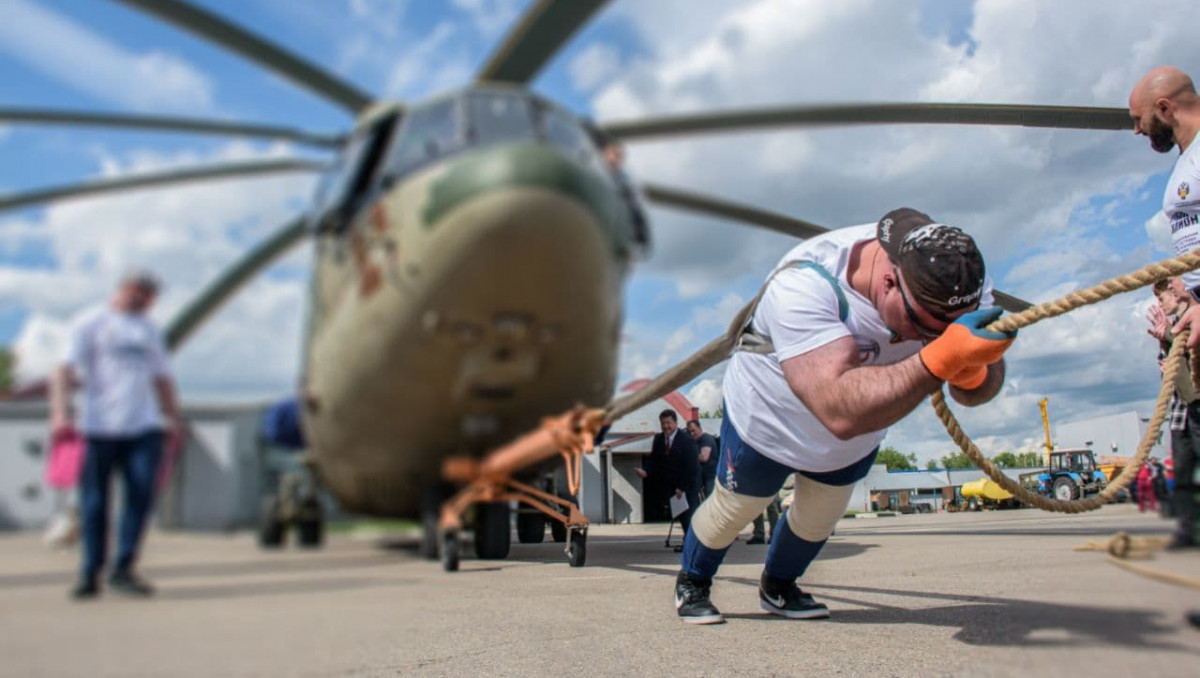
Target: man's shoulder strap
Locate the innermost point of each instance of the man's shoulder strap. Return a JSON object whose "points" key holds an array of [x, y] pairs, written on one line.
{"points": [[843, 305], [758, 342]]}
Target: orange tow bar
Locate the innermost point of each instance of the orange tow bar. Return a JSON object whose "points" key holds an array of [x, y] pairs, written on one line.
{"points": [[490, 479]]}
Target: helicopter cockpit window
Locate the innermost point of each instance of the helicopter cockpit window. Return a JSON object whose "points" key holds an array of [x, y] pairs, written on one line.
{"points": [[429, 132], [345, 185], [338, 179], [499, 116], [567, 134]]}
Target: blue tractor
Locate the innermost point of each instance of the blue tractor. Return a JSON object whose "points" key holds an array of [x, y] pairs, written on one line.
{"points": [[1072, 474]]}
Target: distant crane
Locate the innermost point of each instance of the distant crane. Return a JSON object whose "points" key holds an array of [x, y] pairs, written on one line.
{"points": [[1046, 425]]}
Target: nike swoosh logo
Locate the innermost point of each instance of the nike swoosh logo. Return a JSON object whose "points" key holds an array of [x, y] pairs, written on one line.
{"points": [[778, 601], [678, 601]]}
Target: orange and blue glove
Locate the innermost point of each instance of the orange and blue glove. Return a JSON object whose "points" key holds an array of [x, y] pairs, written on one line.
{"points": [[970, 378], [963, 352]]}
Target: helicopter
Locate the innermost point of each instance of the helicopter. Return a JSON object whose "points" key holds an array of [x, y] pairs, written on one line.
{"points": [[470, 256]]}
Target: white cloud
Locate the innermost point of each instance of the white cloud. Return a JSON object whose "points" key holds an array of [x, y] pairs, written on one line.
{"points": [[188, 235], [384, 17], [594, 65], [84, 60], [706, 395], [490, 17], [1158, 229], [430, 65]]}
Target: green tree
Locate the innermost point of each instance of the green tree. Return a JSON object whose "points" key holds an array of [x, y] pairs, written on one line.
{"points": [[1029, 459], [957, 460], [895, 461], [1005, 460], [8, 367], [932, 465]]}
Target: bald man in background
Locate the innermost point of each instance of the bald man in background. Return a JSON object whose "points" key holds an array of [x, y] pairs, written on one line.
{"points": [[1165, 108]]}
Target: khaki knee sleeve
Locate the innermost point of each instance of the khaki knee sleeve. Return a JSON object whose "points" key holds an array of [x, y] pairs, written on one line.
{"points": [[816, 508], [723, 515]]}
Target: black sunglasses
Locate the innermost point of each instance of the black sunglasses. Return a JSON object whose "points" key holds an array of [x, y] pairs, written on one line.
{"points": [[912, 315]]}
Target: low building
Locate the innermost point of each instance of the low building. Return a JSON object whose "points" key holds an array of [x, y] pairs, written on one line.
{"points": [[1116, 435], [895, 490], [216, 483]]}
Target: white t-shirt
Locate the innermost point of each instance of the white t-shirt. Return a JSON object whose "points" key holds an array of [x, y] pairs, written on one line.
{"points": [[1181, 205], [117, 356], [801, 310]]}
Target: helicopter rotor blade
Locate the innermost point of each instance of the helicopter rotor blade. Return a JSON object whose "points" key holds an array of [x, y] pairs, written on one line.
{"points": [[536, 38], [1064, 117], [706, 204], [1010, 303], [772, 221], [45, 116], [204, 305], [220, 171], [233, 38]]}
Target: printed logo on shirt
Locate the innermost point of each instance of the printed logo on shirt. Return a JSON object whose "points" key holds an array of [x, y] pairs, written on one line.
{"points": [[1181, 220], [1183, 190]]}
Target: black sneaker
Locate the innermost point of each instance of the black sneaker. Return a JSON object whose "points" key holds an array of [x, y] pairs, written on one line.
{"points": [[128, 583], [784, 598], [692, 603], [86, 589]]}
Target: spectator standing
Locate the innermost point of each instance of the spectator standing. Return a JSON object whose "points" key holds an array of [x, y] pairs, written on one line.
{"points": [[709, 454], [1166, 109], [117, 355]]}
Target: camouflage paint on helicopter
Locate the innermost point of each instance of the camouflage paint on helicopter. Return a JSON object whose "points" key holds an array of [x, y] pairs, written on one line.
{"points": [[468, 281]]}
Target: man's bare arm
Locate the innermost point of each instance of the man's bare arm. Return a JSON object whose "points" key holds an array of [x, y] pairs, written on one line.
{"points": [[168, 402], [851, 399], [62, 383]]}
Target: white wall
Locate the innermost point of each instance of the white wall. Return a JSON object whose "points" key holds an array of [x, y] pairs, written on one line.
{"points": [[215, 486], [1117, 434]]}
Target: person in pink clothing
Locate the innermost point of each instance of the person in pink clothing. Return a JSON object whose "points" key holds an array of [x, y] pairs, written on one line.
{"points": [[1145, 487], [117, 357]]}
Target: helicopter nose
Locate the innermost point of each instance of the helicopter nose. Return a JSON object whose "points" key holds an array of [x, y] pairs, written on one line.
{"points": [[538, 167]]}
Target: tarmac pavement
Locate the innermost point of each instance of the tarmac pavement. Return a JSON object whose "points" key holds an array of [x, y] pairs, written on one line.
{"points": [[990, 594]]}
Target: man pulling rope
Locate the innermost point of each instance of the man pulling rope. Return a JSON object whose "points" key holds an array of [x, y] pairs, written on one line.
{"points": [[865, 322]]}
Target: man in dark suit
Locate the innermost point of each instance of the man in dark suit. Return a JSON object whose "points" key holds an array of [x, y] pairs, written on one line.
{"points": [[678, 463]]}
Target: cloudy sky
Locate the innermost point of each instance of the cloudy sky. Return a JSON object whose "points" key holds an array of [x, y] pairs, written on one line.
{"points": [[1053, 210]]}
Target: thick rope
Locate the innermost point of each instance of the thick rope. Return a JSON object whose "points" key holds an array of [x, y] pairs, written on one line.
{"points": [[1146, 276], [1122, 548], [1125, 283], [1121, 482]]}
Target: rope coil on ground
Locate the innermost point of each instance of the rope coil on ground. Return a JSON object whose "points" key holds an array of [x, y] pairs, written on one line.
{"points": [[1109, 288]]}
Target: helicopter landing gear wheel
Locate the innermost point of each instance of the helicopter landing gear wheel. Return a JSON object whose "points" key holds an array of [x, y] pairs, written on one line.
{"points": [[450, 548], [531, 528], [271, 529], [431, 506], [558, 531], [493, 532], [310, 524], [577, 548]]}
